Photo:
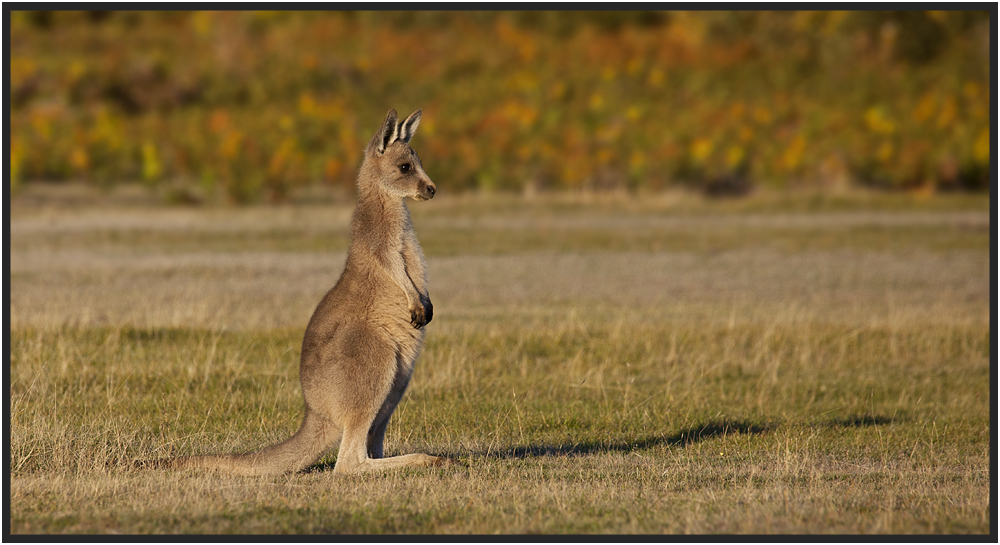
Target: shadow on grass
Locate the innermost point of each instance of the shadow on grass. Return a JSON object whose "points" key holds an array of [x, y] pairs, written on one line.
{"points": [[861, 421], [682, 438]]}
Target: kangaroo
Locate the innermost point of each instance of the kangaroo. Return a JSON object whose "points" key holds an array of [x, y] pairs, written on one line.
{"points": [[364, 337]]}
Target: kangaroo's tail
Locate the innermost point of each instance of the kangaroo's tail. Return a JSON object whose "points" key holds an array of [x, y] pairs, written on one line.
{"points": [[316, 436]]}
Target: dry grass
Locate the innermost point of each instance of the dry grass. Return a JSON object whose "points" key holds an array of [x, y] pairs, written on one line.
{"points": [[797, 377]]}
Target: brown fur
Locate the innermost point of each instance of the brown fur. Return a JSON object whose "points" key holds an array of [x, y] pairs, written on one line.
{"points": [[364, 337]]}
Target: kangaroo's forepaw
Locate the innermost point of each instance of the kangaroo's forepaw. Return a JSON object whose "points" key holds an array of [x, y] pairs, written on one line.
{"points": [[428, 310], [417, 317]]}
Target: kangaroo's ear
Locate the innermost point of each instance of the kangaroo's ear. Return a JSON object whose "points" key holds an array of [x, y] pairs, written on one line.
{"points": [[386, 134], [408, 127]]}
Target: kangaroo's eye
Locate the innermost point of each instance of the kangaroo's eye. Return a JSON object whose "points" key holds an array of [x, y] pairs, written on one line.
{"points": [[404, 168]]}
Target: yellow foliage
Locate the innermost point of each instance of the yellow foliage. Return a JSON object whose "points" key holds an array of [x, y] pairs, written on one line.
{"points": [[107, 130], [938, 15], [527, 49], [428, 126], [76, 69], [655, 78], [734, 156], [792, 157], [42, 125], [201, 21], [311, 108], [152, 168], [982, 148], [570, 175], [231, 144], [737, 110], [688, 28], [925, 108], [523, 80], [510, 90], [557, 90], [878, 122], [971, 90], [701, 149], [802, 21], [947, 116], [307, 105], [281, 157], [762, 115], [79, 160], [833, 21], [21, 69], [637, 160], [519, 113], [885, 152], [979, 110], [633, 66]]}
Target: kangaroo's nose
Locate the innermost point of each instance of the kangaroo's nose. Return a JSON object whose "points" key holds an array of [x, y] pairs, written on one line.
{"points": [[431, 189]]}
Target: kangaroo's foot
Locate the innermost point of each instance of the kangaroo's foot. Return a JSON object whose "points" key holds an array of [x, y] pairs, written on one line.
{"points": [[378, 464]]}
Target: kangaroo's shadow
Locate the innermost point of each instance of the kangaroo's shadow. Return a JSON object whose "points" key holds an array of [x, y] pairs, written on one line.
{"points": [[682, 438], [863, 421]]}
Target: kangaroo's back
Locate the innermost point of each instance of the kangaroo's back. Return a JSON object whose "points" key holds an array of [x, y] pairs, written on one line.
{"points": [[364, 337]]}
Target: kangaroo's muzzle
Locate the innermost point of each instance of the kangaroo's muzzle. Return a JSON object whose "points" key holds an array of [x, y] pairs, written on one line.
{"points": [[426, 190]]}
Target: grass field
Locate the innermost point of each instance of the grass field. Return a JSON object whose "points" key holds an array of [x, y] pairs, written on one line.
{"points": [[598, 364]]}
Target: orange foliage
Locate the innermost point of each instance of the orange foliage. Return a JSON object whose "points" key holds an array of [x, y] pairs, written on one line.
{"points": [[256, 104]]}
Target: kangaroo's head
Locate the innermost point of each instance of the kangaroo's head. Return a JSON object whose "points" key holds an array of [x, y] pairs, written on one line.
{"points": [[393, 166]]}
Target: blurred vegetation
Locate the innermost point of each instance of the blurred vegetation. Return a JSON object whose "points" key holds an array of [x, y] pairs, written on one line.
{"points": [[251, 106]]}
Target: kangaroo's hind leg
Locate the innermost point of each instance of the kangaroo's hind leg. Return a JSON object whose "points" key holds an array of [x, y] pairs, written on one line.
{"points": [[353, 455], [376, 434], [361, 446]]}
